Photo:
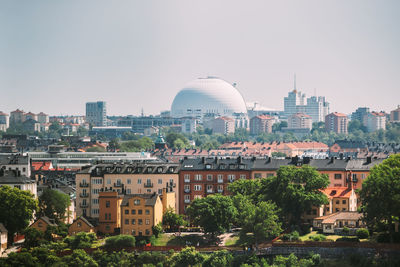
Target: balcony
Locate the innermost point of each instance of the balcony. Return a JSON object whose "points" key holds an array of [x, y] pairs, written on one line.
{"points": [[186, 190], [220, 181], [83, 205], [187, 200], [355, 180], [148, 185], [118, 185], [84, 195], [187, 180], [83, 184], [220, 190], [210, 191]]}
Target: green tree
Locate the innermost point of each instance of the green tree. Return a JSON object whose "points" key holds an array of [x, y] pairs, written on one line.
{"points": [[295, 190], [96, 149], [80, 240], [172, 221], [219, 258], [186, 257], [32, 237], [172, 137], [79, 258], [260, 223], [53, 204], [16, 209], [213, 213], [120, 241], [249, 188], [380, 194]]}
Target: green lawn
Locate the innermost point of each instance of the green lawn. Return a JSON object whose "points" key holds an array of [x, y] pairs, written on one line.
{"points": [[307, 236], [183, 240], [232, 241]]}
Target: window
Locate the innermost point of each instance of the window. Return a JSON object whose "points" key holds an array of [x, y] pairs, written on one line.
{"points": [[337, 201], [133, 232], [108, 181], [198, 177], [197, 187], [159, 181], [94, 201], [257, 175], [127, 211], [133, 221], [231, 177], [220, 188], [129, 181], [147, 221], [139, 181], [147, 232], [133, 211], [187, 198], [197, 196], [128, 191], [136, 202], [187, 178], [118, 181], [243, 176], [140, 212], [209, 188], [209, 177], [336, 209], [338, 176], [270, 175], [208, 166], [23, 169], [95, 211], [220, 178], [107, 204], [79, 224], [362, 175], [147, 212], [344, 201], [140, 221], [126, 221], [186, 188], [160, 191]]}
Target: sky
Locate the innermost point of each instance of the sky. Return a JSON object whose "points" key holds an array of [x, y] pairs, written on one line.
{"points": [[57, 55]]}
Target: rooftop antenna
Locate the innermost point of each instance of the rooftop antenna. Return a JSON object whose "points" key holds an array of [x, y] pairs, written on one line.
{"points": [[142, 113], [295, 82]]}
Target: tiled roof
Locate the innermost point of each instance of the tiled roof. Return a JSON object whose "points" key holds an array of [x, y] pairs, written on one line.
{"points": [[337, 114], [47, 220], [84, 220], [342, 215], [151, 199], [3, 114], [334, 192]]}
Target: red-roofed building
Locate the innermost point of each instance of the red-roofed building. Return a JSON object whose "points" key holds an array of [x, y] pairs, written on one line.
{"points": [[223, 125], [17, 116], [336, 122], [375, 121], [261, 124], [299, 121]]}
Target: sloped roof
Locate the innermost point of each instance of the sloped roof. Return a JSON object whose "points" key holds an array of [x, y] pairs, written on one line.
{"points": [[334, 192], [150, 199], [84, 220], [341, 215], [3, 228]]}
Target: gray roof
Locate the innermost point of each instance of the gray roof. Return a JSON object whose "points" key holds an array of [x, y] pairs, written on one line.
{"points": [[3, 229], [84, 220], [47, 220], [134, 168], [363, 164], [151, 199], [17, 159], [215, 163], [11, 177]]}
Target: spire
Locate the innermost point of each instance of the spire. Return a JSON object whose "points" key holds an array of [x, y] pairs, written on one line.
{"points": [[295, 82]]}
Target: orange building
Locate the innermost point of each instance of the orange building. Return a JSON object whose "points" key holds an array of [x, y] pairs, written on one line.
{"points": [[109, 212], [81, 224], [42, 223]]}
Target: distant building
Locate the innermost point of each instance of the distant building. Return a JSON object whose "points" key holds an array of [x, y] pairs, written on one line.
{"points": [[30, 125], [17, 116], [42, 118], [18, 180], [336, 122], [139, 124], [359, 114], [223, 125], [241, 120], [317, 108], [16, 162], [395, 115], [4, 121], [299, 121], [110, 131], [189, 125], [96, 113], [375, 121], [42, 223], [31, 116], [81, 224], [293, 101], [3, 238], [261, 124]]}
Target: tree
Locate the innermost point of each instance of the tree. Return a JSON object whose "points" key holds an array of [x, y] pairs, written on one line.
{"points": [[16, 209], [172, 137], [213, 213], [80, 240], [380, 194], [260, 221], [120, 241], [186, 257], [246, 187], [32, 237], [171, 220], [53, 204], [219, 258], [295, 190], [96, 149], [79, 258]]}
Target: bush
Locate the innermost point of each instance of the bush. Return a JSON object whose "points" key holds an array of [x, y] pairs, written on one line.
{"points": [[318, 237], [157, 230], [346, 230], [120, 241], [362, 233], [80, 240], [293, 236], [348, 239]]}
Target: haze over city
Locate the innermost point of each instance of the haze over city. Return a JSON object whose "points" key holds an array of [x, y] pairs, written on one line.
{"points": [[57, 55]]}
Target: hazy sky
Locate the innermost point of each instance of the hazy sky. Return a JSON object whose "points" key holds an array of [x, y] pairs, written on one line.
{"points": [[57, 55]]}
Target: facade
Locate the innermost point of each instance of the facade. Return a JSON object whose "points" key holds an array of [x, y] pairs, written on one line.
{"points": [[317, 108], [375, 121], [394, 115], [31, 116], [189, 125], [200, 177], [340, 199], [293, 101], [16, 179], [42, 118], [42, 223], [241, 120], [299, 121], [16, 162], [209, 95], [261, 124], [338, 220], [223, 125], [133, 178], [4, 121], [359, 114], [31, 125], [96, 113], [110, 131], [140, 213], [81, 224], [336, 122], [17, 116], [139, 124], [109, 211]]}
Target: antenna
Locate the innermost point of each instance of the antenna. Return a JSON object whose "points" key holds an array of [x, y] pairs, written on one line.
{"points": [[142, 112], [295, 81]]}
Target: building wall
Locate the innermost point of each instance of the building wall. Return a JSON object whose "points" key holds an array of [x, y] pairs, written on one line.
{"points": [[3, 242], [79, 226], [39, 225], [260, 125], [110, 212]]}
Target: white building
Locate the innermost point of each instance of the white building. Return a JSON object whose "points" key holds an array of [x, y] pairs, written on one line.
{"points": [[317, 108], [96, 113], [4, 121], [293, 101], [16, 162], [375, 121], [189, 125], [16, 179]]}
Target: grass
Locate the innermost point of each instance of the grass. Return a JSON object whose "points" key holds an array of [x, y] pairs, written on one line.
{"points": [[162, 240], [98, 243], [306, 237], [232, 241]]}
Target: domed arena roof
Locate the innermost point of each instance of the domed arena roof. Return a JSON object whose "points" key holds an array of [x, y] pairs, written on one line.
{"points": [[208, 96]]}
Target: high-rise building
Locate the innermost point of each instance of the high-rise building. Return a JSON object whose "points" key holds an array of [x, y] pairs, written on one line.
{"points": [[395, 115], [317, 108], [336, 122], [375, 121], [261, 124], [96, 113], [359, 114], [223, 125], [299, 121], [293, 101], [4, 121]]}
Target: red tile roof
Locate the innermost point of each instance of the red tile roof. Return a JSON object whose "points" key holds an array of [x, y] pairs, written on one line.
{"points": [[334, 192]]}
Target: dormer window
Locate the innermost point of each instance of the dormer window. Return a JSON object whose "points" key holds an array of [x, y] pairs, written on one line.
{"points": [[118, 169], [159, 169], [171, 169], [139, 169], [208, 166], [149, 169], [222, 166], [108, 169], [129, 169], [232, 166], [241, 166]]}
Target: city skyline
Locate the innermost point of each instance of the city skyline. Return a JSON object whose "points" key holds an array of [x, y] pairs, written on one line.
{"points": [[58, 56]]}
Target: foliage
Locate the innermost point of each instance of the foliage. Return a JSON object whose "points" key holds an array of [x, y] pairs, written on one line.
{"points": [[278, 155], [346, 230], [177, 140], [293, 236], [157, 230], [16, 209], [172, 221], [249, 188], [380, 194], [213, 213], [80, 258], [186, 257], [219, 258], [318, 237], [260, 223], [96, 149], [53, 204], [295, 190], [348, 239], [120, 241], [32, 237], [142, 144], [80, 240]]}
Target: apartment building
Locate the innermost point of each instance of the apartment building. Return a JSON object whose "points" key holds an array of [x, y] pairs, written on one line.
{"points": [[395, 115], [223, 125], [375, 121], [134, 178], [261, 124], [200, 177], [336, 122], [299, 121]]}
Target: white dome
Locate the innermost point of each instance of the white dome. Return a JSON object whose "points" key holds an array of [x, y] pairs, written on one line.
{"points": [[208, 96]]}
